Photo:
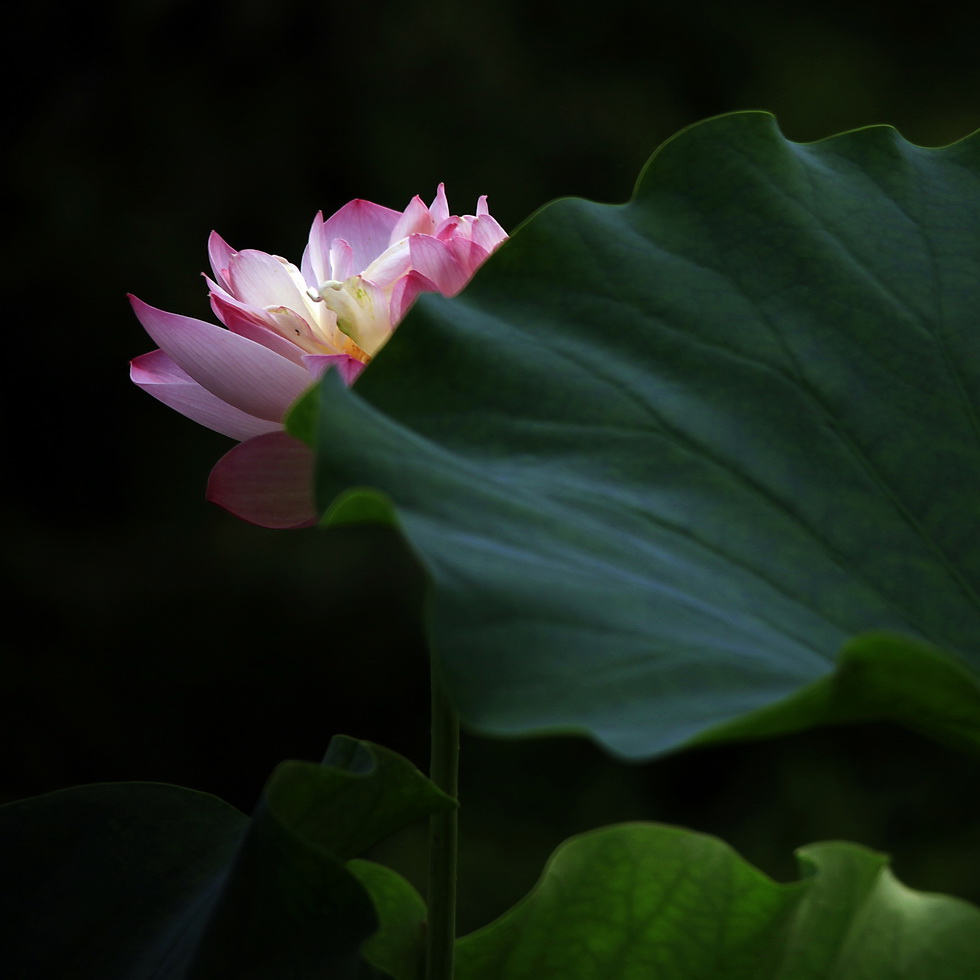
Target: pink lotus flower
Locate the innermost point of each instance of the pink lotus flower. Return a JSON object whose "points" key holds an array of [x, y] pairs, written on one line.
{"points": [[361, 271]]}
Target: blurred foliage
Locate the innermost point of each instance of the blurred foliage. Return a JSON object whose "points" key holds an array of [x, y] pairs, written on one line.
{"points": [[151, 636]]}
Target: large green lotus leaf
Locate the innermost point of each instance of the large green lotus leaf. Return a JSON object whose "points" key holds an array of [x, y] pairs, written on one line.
{"points": [[663, 460], [142, 881], [650, 902]]}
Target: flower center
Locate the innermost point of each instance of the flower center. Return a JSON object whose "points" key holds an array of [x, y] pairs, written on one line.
{"points": [[360, 309]]}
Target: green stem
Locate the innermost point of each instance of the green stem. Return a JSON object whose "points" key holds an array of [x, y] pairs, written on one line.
{"points": [[444, 772]]}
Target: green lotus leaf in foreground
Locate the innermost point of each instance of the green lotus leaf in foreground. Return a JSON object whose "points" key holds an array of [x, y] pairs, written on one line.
{"points": [[664, 461], [649, 902], [145, 881]]}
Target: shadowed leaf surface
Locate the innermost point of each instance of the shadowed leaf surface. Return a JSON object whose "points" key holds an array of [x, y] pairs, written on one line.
{"points": [[663, 460], [144, 881]]}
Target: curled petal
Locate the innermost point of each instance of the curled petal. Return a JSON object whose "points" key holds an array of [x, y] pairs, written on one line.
{"points": [[393, 263], [416, 220], [267, 480], [341, 260], [435, 260], [468, 254], [160, 377], [315, 263], [239, 371], [348, 367], [220, 253], [450, 227], [405, 291], [292, 329], [366, 227], [487, 232], [297, 328], [262, 280], [216, 287], [325, 259], [254, 324], [439, 208]]}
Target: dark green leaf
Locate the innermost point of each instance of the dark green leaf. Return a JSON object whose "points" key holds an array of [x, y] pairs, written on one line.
{"points": [[288, 908], [359, 796], [139, 881], [879, 676], [110, 881], [664, 461]]}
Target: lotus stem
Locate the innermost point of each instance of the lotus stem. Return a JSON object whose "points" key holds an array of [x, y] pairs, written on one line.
{"points": [[444, 772]]}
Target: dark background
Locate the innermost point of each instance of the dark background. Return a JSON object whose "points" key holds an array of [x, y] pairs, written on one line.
{"points": [[148, 635]]}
